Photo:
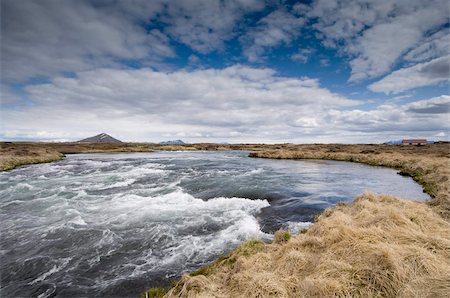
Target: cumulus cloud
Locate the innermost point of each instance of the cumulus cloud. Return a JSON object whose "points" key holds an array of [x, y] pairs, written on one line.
{"points": [[145, 104], [376, 34], [235, 104], [66, 69], [45, 38], [303, 55], [419, 75], [422, 118], [436, 45], [49, 37], [204, 25], [436, 105], [277, 28]]}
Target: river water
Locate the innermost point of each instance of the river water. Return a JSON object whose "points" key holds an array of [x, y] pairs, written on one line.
{"points": [[117, 224]]}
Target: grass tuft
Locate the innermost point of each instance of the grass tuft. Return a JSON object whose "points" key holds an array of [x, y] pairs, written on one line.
{"points": [[154, 293], [375, 246], [281, 236]]}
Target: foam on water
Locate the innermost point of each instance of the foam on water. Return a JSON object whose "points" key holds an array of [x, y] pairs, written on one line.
{"points": [[53, 270], [105, 225], [295, 227], [121, 183]]}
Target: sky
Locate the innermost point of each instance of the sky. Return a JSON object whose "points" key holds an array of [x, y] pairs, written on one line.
{"points": [[236, 71]]}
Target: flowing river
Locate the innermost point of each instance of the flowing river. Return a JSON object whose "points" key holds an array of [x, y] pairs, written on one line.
{"points": [[117, 224]]}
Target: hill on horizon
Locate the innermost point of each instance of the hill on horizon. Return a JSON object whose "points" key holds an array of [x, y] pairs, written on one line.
{"points": [[100, 138]]}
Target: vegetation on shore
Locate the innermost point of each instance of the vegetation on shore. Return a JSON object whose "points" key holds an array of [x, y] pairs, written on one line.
{"points": [[12, 157], [375, 246], [14, 154], [428, 165]]}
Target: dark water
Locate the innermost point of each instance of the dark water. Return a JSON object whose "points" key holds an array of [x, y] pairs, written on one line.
{"points": [[115, 225]]}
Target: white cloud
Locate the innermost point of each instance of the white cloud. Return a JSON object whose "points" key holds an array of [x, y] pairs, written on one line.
{"points": [[45, 37], [435, 105], [204, 25], [88, 42], [441, 134], [424, 118], [436, 45], [277, 28], [376, 34], [303, 55], [324, 62], [193, 59], [48, 37], [419, 75], [235, 102]]}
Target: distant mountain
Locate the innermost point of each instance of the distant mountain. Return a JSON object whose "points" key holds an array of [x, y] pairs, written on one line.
{"points": [[174, 142], [101, 138], [398, 142]]}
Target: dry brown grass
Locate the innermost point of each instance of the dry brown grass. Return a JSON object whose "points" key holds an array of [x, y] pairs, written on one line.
{"points": [[376, 246], [14, 156]]}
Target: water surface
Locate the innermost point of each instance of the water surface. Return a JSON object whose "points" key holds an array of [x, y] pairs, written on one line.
{"points": [[117, 224]]}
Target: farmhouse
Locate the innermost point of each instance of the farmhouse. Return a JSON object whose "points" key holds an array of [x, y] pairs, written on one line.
{"points": [[414, 142]]}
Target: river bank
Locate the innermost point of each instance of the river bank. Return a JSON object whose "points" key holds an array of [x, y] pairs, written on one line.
{"points": [[427, 165], [374, 246], [15, 154]]}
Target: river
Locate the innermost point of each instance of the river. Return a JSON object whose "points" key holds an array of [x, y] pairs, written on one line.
{"points": [[117, 224]]}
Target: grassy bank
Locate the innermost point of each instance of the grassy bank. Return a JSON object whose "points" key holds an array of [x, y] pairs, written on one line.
{"points": [[14, 154], [428, 165], [12, 157], [375, 246]]}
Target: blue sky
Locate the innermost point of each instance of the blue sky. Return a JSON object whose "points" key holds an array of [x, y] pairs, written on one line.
{"points": [[347, 71]]}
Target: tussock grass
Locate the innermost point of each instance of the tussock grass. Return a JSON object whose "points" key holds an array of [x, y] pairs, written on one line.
{"points": [[14, 154], [12, 157], [154, 293], [281, 236], [375, 246]]}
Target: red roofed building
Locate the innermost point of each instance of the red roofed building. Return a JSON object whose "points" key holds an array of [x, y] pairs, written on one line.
{"points": [[414, 142]]}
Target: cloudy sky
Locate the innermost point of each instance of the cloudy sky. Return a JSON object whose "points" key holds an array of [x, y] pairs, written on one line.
{"points": [[225, 71]]}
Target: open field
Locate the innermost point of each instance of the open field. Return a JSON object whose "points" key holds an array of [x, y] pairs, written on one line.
{"points": [[375, 246]]}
